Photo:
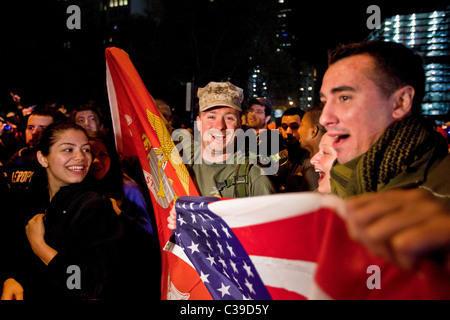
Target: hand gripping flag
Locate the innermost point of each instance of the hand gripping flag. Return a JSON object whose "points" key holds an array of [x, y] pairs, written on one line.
{"points": [[140, 131]]}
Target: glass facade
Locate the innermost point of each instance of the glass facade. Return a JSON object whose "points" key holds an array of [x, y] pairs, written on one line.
{"points": [[429, 35]]}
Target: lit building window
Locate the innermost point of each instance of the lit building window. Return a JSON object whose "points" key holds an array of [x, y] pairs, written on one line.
{"points": [[117, 3]]}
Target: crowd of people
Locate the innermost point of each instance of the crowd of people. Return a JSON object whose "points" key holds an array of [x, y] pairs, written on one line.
{"points": [[82, 205]]}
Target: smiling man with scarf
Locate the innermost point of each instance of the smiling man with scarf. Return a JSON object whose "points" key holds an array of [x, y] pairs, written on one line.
{"points": [[388, 155]]}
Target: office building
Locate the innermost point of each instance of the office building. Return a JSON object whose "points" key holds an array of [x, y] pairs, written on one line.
{"points": [[428, 34]]}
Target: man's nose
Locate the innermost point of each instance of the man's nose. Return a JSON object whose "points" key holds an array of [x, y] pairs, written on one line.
{"points": [[36, 131], [220, 124], [327, 117]]}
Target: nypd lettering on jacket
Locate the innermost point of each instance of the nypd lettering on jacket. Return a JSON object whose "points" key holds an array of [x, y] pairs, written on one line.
{"points": [[20, 176]]}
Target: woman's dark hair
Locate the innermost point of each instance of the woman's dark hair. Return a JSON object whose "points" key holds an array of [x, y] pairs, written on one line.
{"points": [[50, 135], [112, 183]]}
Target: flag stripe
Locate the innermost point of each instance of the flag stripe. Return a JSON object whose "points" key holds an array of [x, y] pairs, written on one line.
{"points": [[114, 111], [297, 276], [316, 293], [283, 294], [297, 237], [256, 210]]}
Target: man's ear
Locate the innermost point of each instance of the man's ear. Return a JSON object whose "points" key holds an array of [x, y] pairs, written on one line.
{"points": [[403, 102], [314, 131], [42, 159]]}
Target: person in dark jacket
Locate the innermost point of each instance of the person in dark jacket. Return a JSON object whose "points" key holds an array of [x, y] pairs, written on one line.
{"points": [[74, 238]]}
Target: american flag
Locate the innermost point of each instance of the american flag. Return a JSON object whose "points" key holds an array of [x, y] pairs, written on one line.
{"points": [[262, 247], [223, 264], [296, 246]]}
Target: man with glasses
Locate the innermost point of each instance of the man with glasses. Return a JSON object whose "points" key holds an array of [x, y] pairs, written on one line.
{"points": [[259, 113]]}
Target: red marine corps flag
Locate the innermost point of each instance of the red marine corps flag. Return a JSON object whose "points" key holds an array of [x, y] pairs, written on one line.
{"points": [[140, 131]]}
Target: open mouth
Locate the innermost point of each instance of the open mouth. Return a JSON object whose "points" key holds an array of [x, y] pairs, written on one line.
{"points": [[97, 169], [76, 169], [218, 136], [321, 174], [339, 139]]}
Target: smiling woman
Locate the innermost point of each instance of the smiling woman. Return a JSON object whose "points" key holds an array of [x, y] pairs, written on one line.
{"points": [[323, 162], [64, 151], [71, 226]]}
